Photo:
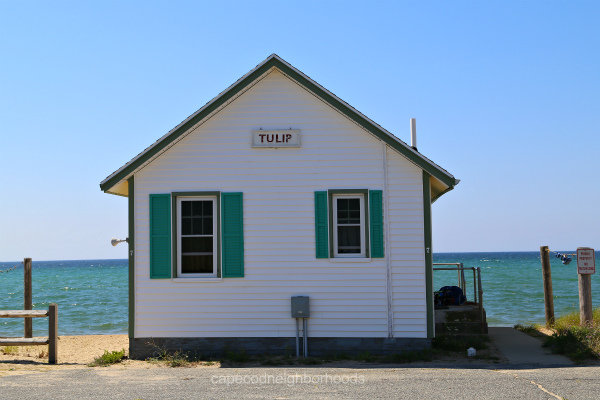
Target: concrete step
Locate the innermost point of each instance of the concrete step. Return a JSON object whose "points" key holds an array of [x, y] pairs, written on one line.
{"points": [[460, 320]]}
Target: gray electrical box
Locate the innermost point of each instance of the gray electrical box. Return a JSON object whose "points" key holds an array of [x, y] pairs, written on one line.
{"points": [[300, 308]]}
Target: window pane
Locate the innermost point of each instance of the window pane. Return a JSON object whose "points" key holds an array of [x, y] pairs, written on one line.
{"points": [[197, 208], [186, 208], [196, 245], [186, 226], [354, 204], [342, 216], [207, 226], [200, 226], [207, 208], [196, 217], [196, 226], [348, 211], [348, 239], [354, 217], [197, 264]]}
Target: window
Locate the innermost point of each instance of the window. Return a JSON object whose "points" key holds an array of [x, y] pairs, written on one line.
{"points": [[197, 236], [349, 223], [349, 232]]}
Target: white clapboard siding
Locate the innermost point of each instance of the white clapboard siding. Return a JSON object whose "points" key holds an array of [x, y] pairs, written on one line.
{"points": [[407, 238], [348, 299]]}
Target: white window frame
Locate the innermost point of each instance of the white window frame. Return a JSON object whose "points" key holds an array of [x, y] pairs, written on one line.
{"points": [[363, 236], [214, 235]]}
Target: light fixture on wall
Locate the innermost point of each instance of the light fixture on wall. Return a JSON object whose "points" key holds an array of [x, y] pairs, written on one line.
{"points": [[115, 241]]}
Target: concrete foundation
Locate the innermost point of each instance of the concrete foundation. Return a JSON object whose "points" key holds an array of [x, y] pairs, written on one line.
{"points": [[142, 348]]}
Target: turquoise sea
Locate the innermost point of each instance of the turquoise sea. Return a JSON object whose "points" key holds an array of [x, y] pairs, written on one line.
{"points": [[512, 284], [92, 294]]}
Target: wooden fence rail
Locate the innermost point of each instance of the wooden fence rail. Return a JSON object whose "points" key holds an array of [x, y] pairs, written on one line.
{"points": [[51, 341]]}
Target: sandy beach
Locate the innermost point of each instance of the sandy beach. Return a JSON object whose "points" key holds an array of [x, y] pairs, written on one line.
{"points": [[73, 351]]}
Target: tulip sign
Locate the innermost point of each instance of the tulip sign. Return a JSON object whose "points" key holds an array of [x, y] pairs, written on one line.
{"points": [[280, 138]]}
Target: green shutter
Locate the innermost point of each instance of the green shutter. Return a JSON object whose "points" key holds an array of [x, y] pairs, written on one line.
{"points": [[160, 236], [321, 225], [376, 222], [232, 224]]}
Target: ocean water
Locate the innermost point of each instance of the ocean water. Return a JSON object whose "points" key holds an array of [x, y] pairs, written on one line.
{"points": [[513, 287], [92, 294]]}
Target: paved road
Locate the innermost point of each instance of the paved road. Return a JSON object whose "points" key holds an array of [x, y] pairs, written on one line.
{"points": [[344, 383]]}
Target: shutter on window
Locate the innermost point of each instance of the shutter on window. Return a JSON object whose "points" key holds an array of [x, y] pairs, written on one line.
{"points": [[160, 236], [232, 243], [321, 225], [376, 223]]}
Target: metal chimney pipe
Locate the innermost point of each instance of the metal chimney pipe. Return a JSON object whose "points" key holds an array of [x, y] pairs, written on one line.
{"points": [[413, 133]]}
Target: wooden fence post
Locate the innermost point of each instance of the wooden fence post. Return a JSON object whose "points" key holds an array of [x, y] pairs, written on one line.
{"points": [[52, 333], [27, 296], [586, 266], [547, 276], [585, 299]]}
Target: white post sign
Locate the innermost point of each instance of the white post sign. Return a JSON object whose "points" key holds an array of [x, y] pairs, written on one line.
{"points": [[278, 138], [586, 260]]}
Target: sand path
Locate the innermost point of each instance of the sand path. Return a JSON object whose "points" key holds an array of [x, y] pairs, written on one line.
{"points": [[73, 351]]}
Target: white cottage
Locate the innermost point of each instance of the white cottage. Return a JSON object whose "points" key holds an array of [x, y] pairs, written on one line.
{"points": [[273, 189]]}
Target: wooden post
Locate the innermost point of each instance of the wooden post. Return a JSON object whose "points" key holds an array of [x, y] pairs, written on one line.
{"points": [[474, 287], [586, 266], [27, 296], [481, 311], [585, 299], [547, 276], [52, 333]]}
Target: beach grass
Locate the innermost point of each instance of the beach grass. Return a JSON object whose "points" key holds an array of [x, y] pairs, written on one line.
{"points": [[534, 330], [578, 342], [171, 359], [572, 319], [10, 350], [108, 358]]}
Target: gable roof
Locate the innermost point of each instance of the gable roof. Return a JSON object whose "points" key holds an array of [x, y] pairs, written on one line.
{"points": [[445, 180]]}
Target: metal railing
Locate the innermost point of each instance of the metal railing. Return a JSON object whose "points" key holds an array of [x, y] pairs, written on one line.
{"points": [[462, 283]]}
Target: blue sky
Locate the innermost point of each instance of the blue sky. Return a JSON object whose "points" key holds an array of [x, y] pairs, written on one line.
{"points": [[505, 95]]}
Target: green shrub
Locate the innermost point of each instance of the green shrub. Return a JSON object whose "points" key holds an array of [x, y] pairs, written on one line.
{"points": [[172, 359], [10, 350], [572, 319], [108, 358], [177, 359], [575, 341]]}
